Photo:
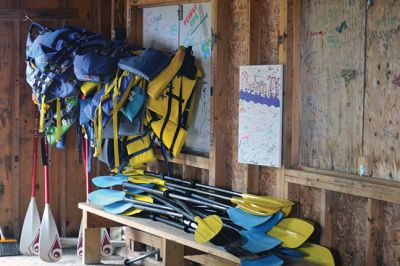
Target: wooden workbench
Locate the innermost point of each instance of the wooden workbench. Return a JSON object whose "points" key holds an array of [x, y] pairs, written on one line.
{"points": [[171, 241]]}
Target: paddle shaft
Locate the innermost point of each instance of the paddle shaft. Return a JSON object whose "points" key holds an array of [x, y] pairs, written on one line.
{"points": [[185, 228], [34, 155], [45, 160], [195, 184], [156, 210], [174, 196], [148, 204]]}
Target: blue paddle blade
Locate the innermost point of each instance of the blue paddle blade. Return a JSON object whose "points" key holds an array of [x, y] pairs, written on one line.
{"points": [[265, 227], [105, 196], [270, 260], [109, 180], [118, 207], [290, 252], [246, 220], [256, 242], [138, 191]]}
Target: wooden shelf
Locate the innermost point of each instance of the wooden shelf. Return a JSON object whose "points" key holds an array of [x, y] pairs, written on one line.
{"points": [[197, 161], [368, 187], [155, 228]]}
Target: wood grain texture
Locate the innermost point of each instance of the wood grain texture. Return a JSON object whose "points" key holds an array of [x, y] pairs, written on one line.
{"points": [[349, 227], [382, 111], [17, 116], [390, 245], [332, 77]]}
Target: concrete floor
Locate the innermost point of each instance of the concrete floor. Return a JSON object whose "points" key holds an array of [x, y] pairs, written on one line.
{"points": [[69, 259]]}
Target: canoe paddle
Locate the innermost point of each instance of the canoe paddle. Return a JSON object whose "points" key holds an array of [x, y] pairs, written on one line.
{"points": [[106, 248], [50, 249], [264, 200], [29, 243], [108, 181]]}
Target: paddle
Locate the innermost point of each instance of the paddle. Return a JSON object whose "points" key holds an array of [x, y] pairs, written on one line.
{"points": [[317, 254], [108, 181], [264, 200], [29, 242], [50, 249], [106, 248], [249, 207], [293, 232]]}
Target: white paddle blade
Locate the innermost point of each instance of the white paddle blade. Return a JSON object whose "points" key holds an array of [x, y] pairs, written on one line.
{"points": [[79, 246], [106, 247], [29, 243], [50, 249]]}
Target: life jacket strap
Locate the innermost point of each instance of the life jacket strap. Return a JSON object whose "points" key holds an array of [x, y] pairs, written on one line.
{"points": [[58, 113]]}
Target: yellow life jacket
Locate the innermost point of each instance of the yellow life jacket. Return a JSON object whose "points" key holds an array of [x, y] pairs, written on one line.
{"points": [[140, 150]]}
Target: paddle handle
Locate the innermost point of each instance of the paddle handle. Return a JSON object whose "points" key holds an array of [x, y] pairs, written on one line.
{"points": [[34, 153], [45, 161]]}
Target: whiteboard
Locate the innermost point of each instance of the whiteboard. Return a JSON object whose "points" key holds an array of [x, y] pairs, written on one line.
{"points": [[260, 115], [163, 30]]}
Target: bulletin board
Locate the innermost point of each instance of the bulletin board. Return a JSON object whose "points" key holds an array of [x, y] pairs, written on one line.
{"points": [[167, 27]]}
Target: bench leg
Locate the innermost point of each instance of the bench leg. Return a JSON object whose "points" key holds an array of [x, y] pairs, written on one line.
{"points": [[91, 246], [173, 253]]}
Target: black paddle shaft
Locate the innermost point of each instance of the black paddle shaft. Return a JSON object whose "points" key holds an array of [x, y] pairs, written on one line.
{"points": [[174, 196], [196, 184]]}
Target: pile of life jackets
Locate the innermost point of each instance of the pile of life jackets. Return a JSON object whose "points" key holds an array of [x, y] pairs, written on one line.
{"points": [[126, 100]]}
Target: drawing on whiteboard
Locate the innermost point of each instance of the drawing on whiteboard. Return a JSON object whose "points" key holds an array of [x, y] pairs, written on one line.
{"points": [[260, 115]]}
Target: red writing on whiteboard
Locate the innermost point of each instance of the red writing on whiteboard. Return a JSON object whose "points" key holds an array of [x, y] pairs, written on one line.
{"points": [[190, 14]]}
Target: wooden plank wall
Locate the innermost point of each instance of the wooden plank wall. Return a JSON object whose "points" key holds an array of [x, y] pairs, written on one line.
{"points": [[17, 115]]}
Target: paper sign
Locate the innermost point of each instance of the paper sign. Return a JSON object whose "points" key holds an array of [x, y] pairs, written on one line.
{"points": [[260, 115]]}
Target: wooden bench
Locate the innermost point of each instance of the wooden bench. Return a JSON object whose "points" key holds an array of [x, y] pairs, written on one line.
{"points": [[170, 240]]}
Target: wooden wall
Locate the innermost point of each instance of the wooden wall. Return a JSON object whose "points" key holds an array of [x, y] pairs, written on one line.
{"points": [[17, 116]]}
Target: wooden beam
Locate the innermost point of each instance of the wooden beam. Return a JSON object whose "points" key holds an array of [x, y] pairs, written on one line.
{"points": [[357, 186], [207, 259], [373, 234], [91, 246], [328, 206], [172, 253], [38, 14], [295, 81], [187, 159], [220, 92], [148, 3]]}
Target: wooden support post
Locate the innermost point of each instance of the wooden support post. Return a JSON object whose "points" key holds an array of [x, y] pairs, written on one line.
{"points": [[220, 56], [373, 234], [172, 253], [328, 206], [91, 246]]}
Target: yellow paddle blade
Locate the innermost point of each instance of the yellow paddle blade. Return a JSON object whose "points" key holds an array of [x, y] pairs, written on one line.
{"points": [[207, 228], [255, 209], [144, 198], [132, 211], [161, 188], [317, 254], [267, 200], [142, 179], [292, 232]]}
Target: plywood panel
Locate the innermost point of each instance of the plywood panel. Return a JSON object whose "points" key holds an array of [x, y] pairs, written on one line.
{"points": [[390, 246], [332, 52], [382, 111], [349, 228]]}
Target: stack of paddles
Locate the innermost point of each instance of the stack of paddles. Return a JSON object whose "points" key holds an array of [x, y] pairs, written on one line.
{"points": [[251, 227]]}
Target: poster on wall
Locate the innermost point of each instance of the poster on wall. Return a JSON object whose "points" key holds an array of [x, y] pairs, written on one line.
{"points": [[260, 115]]}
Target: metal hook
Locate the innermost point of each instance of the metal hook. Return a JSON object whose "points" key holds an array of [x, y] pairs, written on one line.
{"points": [[27, 17]]}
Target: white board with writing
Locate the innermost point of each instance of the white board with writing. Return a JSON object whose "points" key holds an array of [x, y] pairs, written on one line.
{"points": [[163, 30], [260, 115]]}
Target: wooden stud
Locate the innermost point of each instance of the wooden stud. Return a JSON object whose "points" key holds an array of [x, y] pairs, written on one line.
{"points": [[219, 60], [172, 253], [373, 234], [328, 206], [38, 14]]}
